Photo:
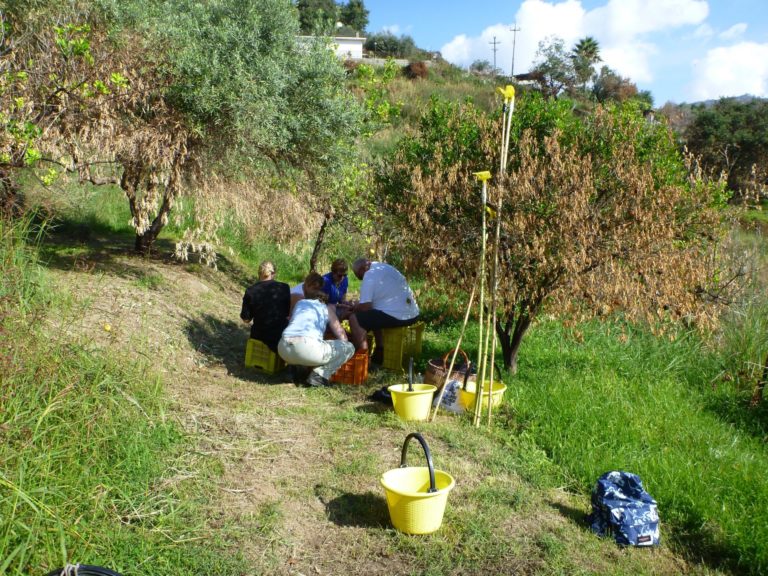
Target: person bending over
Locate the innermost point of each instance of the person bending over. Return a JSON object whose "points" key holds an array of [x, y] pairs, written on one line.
{"points": [[302, 343], [266, 305], [386, 301]]}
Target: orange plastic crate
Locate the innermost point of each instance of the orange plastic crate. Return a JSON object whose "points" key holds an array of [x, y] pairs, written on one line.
{"points": [[353, 371], [260, 357]]}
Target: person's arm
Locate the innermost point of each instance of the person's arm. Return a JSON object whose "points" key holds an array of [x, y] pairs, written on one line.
{"points": [[334, 324], [245, 311], [294, 299], [362, 307]]}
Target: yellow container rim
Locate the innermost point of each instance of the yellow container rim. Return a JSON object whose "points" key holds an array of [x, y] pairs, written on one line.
{"points": [[408, 494], [417, 389]]}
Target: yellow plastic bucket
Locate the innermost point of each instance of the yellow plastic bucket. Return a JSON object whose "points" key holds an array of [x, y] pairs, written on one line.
{"points": [[412, 405], [416, 496], [467, 397]]}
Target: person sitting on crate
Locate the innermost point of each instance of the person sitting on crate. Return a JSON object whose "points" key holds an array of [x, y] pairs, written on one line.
{"points": [[335, 286], [266, 306], [302, 343], [386, 301]]}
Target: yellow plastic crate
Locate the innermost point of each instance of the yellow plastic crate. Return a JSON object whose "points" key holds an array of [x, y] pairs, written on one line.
{"points": [[260, 357], [400, 344]]}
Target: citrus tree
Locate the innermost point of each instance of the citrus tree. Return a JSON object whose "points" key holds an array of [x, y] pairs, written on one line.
{"points": [[600, 214]]}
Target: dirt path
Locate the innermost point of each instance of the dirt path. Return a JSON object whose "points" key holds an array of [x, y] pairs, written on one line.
{"points": [[275, 457]]}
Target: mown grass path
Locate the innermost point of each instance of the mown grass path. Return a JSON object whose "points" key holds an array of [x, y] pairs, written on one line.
{"points": [[288, 477]]}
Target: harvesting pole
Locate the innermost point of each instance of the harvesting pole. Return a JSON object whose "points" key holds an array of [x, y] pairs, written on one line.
{"points": [[483, 177], [455, 353], [508, 93]]}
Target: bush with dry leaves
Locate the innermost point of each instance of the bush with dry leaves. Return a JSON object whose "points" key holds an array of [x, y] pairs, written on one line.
{"points": [[598, 215]]}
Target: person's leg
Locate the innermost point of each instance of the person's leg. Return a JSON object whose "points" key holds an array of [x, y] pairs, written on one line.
{"points": [[337, 352], [301, 351], [359, 333]]}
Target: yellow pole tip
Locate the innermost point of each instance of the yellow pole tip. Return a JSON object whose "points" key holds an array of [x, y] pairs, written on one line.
{"points": [[483, 176], [508, 92]]}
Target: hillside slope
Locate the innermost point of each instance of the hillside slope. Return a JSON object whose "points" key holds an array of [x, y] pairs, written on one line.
{"points": [[297, 488]]}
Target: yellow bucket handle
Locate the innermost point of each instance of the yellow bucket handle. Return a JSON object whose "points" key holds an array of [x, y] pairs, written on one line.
{"points": [[428, 454]]}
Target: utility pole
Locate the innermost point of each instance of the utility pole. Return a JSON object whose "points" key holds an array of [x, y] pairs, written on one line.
{"points": [[494, 43], [514, 31]]}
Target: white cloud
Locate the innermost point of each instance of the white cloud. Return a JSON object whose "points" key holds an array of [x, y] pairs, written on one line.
{"points": [[703, 31], [393, 29], [622, 20], [631, 60], [734, 32], [620, 26], [460, 50], [731, 71]]}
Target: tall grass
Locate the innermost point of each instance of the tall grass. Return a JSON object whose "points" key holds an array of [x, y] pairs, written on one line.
{"points": [[624, 399], [89, 463]]}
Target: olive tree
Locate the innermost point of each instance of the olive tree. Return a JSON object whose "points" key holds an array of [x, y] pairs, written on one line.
{"points": [[207, 92], [600, 214]]}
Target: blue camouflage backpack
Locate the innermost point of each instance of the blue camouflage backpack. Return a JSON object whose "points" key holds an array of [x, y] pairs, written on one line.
{"points": [[622, 509]]}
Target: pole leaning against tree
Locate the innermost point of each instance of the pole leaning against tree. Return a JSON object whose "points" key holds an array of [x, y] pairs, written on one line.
{"points": [[483, 177], [508, 93]]}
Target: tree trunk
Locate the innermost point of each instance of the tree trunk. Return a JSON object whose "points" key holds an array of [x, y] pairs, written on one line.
{"points": [[757, 396], [327, 218], [132, 178], [9, 197], [511, 336]]}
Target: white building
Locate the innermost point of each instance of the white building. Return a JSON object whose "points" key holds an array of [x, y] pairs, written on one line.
{"points": [[349, 47]]}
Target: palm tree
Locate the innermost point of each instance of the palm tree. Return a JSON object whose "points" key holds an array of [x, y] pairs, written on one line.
{"points": [[585, 55]]}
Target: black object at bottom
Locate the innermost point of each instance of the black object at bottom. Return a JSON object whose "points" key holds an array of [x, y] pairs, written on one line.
{"points": [[82, 570], [382, 395], [316, 381]]}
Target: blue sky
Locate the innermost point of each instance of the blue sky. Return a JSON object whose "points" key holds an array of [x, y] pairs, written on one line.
{"points": [[680, 50]]}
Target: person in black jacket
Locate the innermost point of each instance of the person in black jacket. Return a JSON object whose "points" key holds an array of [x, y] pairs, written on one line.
{"points": [[267, 304]]}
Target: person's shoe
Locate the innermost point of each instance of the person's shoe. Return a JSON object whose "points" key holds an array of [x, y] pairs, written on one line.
{"points": [[316, 381], [299, 373], [378, 356]]}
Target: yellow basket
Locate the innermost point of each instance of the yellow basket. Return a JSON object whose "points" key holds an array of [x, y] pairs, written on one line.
{"points": [[467, 397], [260, 357], [400, 344], [416, 497], [414, 405]]}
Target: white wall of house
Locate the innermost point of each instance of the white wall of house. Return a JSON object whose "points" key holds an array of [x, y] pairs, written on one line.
{"points": [[349, 47]]}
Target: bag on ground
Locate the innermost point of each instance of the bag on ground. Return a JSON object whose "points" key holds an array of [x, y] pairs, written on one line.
{"points": [[450, 401], [623, 509]]}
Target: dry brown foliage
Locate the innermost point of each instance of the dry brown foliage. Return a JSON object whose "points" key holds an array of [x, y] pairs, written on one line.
{"points": [[100, 114], [416, 70], [262, 208], [580, 235]]}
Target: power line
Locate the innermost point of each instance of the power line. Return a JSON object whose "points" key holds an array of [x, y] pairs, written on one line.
{"points": [[514, 31], [494, 43]]}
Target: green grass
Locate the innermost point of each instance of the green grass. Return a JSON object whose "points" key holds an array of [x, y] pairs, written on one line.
{"points": [[75, 486], [646, 406], [90, 463]]}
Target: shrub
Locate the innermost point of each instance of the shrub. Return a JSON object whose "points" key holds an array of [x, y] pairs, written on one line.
{"points": [[416, 70]]}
